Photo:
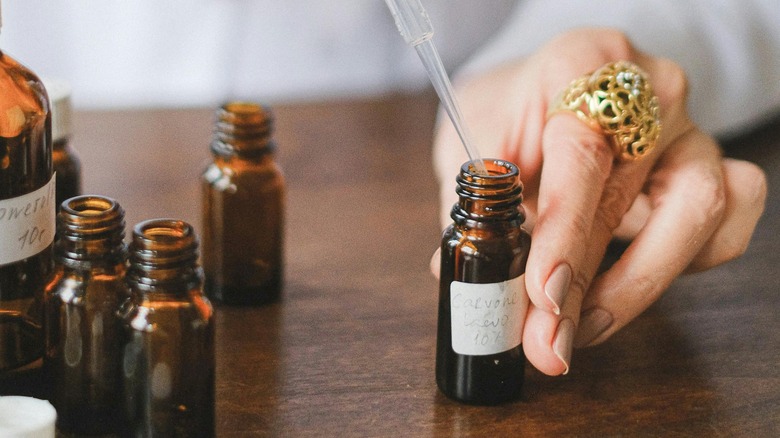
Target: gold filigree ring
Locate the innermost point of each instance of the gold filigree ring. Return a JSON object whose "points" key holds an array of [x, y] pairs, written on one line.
{"points": [[618, 101]]}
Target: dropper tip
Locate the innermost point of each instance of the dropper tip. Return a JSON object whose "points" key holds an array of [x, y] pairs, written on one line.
{"points": [[478, 167]]}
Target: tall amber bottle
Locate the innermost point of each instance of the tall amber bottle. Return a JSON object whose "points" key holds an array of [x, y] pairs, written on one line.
{"points": [[482, 297], [27, 211], [83, 332], [67, 165], [168, 351], [243, 209]]}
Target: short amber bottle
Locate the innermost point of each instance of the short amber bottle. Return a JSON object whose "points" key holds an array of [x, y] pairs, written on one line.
{"points": [[168, 347], [82, 329], [67, 165], [243, 209], [27, 212], [482, 296]]}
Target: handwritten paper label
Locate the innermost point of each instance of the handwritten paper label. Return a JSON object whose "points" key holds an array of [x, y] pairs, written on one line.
{"points": [[27, 224], [487, 318]]}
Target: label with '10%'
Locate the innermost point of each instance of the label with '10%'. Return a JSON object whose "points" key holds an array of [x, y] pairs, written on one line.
{"points": [[27, 224], [487, 318]]}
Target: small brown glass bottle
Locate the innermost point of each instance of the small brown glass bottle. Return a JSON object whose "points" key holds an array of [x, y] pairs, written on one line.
{"points": [[27, 212], [82, 329], [243, 209], [482, 297], [168, 351], [66, 163]]}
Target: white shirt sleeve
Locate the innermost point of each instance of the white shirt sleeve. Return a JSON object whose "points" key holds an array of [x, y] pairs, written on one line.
{"points": [[730, 49]]}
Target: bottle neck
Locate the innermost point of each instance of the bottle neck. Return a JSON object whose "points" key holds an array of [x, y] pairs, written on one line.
{"points": [[90, 231], [164, 258], [243, 130], [61, 108], [61, 144], [489, 200]]}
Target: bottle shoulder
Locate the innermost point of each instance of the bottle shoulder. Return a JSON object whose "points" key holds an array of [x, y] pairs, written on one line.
{"points": [[474, 256], [23, 98], [482, 242], [83, 286], [65, 159], [65, 150], [509, 231], [149, 313], [230, 175], [262, 164]]}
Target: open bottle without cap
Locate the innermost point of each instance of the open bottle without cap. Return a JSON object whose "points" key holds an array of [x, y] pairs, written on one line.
{"points": [[482, 297], [82, 329], [168, 327], [243, 194]]}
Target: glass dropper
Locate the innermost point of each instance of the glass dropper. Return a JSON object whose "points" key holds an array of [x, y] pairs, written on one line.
{"points": [[416, 29]]}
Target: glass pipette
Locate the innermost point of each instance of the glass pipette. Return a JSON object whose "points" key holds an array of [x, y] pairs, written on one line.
{"points": [[416, 29]]}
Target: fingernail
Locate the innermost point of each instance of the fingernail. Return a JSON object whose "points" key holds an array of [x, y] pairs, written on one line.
{"points": [[593, 323], [557, 286], [563, 342]]}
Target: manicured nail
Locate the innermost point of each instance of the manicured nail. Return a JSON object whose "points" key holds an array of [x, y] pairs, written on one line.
{"points": [[563, 342], [557, 286], [593, 323]]}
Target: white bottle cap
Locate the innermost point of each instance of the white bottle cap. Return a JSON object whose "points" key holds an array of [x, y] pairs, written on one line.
{"points": [[61, 107], [26, 417]]}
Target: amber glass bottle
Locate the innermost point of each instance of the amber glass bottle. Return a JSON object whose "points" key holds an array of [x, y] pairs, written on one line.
{"points": [[482, 297], [243, 209], [27, 212], [168, 363], [66, 162], [81, 326]]}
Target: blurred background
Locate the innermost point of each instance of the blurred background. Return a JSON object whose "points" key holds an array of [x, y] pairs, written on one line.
{"points": [[196, 53], [120, 54]]}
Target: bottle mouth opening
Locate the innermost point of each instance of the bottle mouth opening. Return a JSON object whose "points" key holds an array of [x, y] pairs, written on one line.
{"points": [[502, 181], [243, 108], [163, 243], [163, 230], [90, 217], [496, 169], [88, 206], [163, 251], [501, 173], [89, 227], [244, 119], [495, 197]]}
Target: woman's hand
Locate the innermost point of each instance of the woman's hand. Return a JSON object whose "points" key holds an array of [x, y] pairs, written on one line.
{"points": [[684, 206]]}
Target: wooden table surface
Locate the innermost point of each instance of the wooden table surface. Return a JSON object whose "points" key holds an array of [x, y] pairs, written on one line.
{"points": [[350, 349]]}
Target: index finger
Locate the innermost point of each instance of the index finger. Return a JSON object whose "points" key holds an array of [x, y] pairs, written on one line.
{"points": [[584, 193]]}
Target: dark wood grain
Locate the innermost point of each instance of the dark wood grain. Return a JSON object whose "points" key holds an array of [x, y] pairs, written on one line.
{"points": [[350, 349]]}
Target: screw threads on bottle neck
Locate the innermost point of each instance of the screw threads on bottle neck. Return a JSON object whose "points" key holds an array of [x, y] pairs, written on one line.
{"points": [[491, 198], [243, 129], [90, 229], [164, 257]]}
